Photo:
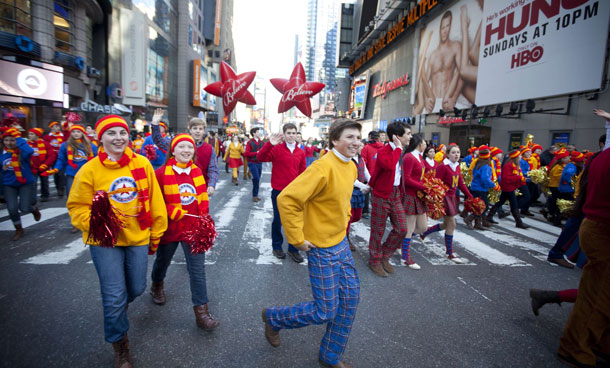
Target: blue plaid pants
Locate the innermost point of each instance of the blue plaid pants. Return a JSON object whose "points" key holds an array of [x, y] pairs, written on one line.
{"points": [[336, 292]]}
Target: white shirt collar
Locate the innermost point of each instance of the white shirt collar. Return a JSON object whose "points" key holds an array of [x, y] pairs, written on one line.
{"points": [[430, 161], [341, 156], [392, 145], [452, 165], [292, 146], [179, 170], [417, 155]]}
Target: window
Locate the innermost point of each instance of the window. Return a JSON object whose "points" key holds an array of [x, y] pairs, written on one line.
{"points": [[15, 17], [62, 19], [560, 139]]}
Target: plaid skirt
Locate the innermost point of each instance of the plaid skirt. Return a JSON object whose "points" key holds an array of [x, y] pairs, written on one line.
{"points": [[451, 205], [357, 200], [413, 205]]}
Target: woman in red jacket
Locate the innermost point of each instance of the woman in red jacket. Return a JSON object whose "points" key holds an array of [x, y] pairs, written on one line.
{"points": [[413, 170], [449, 172], [186, 197], [512, 178], [429, 163]]}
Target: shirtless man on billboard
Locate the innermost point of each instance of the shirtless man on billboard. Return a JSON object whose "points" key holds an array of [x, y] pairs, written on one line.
{"points": [[443, 70]]}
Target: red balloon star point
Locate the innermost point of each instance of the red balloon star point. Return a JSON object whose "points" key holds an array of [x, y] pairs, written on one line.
{"points": [[296, 91], [232, 88]]}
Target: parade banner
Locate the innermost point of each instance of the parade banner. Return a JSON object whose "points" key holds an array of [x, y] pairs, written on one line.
{"points": [[446, 43], [539, 48]]}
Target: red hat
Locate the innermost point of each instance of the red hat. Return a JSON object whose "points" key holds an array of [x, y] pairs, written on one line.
{"points": [[495, 151], [483, 147], [37, 131], [163, 125], [472, 149], [562, 153], [52, 124], [576, 156], [109, 121], [181, 138], [514, 153], [78, 127], [525, 149], [536, 146]]}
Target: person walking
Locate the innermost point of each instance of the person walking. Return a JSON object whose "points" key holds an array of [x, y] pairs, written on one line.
{"points": [[55, 138], [132, 188], [156, 155], [359, 191], [256, 168], [233, 157], [42, 159], [186, 197], [429, 163], [288, 162], [315, 209], [482, 182]]}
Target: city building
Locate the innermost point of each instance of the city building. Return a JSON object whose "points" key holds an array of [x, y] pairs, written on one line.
{"points": [[541, 77]]}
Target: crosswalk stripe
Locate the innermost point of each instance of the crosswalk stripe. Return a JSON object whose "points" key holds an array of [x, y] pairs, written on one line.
{"points": [[63, 255], [28, 220], [481, 250]]}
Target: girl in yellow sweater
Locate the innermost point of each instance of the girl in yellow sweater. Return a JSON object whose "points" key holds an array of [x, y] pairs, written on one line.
{"points": [[133, 190], [233, 154]]}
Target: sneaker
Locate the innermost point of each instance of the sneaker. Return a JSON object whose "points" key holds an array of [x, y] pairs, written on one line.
{"points": [[409, 262], [455, 258], [279, 254], [560, 262]]}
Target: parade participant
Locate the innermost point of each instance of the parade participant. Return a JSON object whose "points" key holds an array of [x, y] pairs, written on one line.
{"points": [[256, 168], [225, 146], [18, 182], [449, 172], [413, 170], [73, 154], [548, 155], [213, 141], [587, 332], [288, 162], [482, 182], [137, 143], [300, 141], [472, 153], [440, 154], [233, 157], [90, 132], [429, 163], [247, 173], [185, 194], [511, 179], [121, 269], [309, 150], [524, 199], [315, 209], [156, 157], [383, 137], [562, 157], [386, 200], [359, 191], [55, 138], [369, 155], [573, 168], [42, 159]]}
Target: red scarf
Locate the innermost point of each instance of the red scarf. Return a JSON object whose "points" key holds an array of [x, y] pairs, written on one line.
{"points": [[139, 174], [16, 165], [71, 154], [172, 194], [59, 136]]}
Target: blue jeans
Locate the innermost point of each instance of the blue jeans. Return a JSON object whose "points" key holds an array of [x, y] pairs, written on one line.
{"points": [[195, 265], [336, 292], [69, 181], [276, 226], [19, 199], [256, 169], [122, 275]]}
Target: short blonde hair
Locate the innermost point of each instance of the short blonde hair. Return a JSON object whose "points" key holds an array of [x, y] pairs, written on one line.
{"points": [[196, 122]]}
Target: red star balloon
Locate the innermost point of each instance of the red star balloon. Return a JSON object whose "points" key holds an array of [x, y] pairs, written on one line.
{"points": [[232, 88], [296, 91]]}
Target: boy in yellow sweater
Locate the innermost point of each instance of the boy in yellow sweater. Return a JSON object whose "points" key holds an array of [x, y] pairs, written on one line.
{"points": [[315, 210]]}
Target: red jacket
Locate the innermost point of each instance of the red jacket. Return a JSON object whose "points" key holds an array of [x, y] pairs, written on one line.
{"points": [[309, 150], [453, 179], [512, 178], [597, 204], [286, 165], [369, 155], [36, 161], [382, 179], [52, 140], [412, 174]]}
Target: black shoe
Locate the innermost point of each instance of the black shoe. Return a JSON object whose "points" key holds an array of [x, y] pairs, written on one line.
{"points": [[527, 213], [279, 254], [491, 220], [503, 215], [296, 256]]}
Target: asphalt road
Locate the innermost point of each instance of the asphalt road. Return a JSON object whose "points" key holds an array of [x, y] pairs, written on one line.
{"points": [[444, 315]]}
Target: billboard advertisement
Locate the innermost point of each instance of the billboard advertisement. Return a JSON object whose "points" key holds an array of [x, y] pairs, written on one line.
{"points": [[358, 95], [487, 52], [30, 82], [134, 44]]}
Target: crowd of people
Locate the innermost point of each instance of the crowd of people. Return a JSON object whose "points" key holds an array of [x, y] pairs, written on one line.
{"points": [[160, 185]]}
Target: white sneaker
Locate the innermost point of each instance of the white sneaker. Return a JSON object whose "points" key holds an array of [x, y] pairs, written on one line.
{"points": [[456, 259], [409, 262]]}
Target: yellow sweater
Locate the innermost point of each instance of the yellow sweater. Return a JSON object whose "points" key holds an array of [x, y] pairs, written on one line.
{"points": [[94, 176], [316, 205], [555, 175], [234, 151]]}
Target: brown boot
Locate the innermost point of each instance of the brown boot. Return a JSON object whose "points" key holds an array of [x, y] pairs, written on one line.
{"points": [[18, 232], [464, 213], [36, 214], [378, 270], [486, 223], [272, 336], [387, 267], [478, 224], [204, 319], [468, 221], [122, 358], [542, 297], [157, 292]]}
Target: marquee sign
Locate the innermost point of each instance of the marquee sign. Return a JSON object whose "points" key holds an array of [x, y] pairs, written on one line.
{"points": [[381, 88]]}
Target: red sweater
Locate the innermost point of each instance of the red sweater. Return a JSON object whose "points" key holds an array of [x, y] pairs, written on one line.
{"points": [[453, 179], [286, 165], [175, 229], [597, 204], [203, 155], [429, 167], [309, 151], [252, 148], [382, 179], [369, 155], [412, 174], [512, 178]]}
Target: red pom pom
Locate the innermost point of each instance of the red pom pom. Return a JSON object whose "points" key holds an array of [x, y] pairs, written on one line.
{"points": [[475, 205], [202, 235], [434, 195], [150, 152], [73, 117], [105, 224]]}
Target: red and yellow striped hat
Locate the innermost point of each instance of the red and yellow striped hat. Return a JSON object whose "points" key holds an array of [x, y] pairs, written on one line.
{"points": [[525, 149], [472, 149], [577, 156], [109, 121], [495, 151], [514, 153], [37, 131], [78, 127], [163, 125], [53, 123], [536, 146], [181, 138], [562, 153]]}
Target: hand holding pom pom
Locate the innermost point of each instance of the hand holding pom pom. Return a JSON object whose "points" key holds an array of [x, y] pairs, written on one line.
{"points": [[150, 153], [105, 224], [202, 235]]}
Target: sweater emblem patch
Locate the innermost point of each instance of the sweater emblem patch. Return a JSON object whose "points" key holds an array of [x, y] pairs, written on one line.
{"points": [[123, 189], [187, 194], [6, 164], [80, 156]]}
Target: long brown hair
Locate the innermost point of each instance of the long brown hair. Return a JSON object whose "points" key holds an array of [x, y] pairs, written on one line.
{"points": [[86, 143], [482, 161]]}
